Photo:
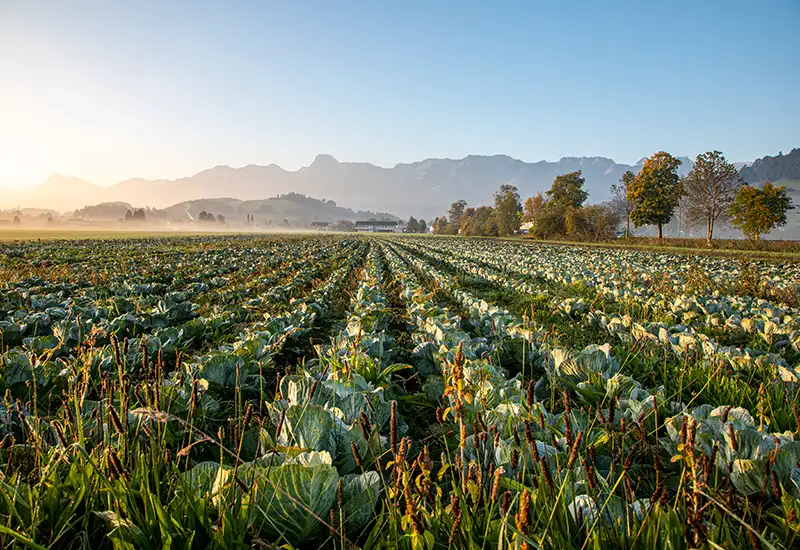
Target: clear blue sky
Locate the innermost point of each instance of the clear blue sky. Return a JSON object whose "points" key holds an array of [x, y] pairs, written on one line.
{"points": [[107, 90]]}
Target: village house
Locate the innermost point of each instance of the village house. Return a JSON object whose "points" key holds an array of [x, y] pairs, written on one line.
{"points": [[374, 226]]}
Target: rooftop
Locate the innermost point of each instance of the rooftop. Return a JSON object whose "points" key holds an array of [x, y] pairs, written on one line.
{"points": [[377, 222]]}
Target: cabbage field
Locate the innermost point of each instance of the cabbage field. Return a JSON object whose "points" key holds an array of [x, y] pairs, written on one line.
{"points": [[340, 391]]}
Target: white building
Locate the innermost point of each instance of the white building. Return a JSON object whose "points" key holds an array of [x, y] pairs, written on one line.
{"points": [[374, 226]]}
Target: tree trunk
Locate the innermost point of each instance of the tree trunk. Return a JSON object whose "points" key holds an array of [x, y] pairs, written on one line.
{"points": [[758, 237], [627, 227], [660, 233], [710, 233]]}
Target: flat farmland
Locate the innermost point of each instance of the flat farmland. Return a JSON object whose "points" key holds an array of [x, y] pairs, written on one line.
{"points": [[350, 391]]}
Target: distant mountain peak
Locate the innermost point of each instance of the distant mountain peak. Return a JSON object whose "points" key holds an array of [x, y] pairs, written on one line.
{"points": [[64, 180], [585, 160], [62, 177], [322, 160]]}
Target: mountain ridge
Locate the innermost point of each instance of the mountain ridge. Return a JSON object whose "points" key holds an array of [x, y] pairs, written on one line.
{"points": [[773, 168], [422, 188]]}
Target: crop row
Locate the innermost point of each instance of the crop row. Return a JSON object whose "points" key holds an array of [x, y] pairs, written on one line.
{"points": [[542, 404]]}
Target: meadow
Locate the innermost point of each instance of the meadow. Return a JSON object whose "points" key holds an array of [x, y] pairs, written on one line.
{"points": [[346, 391]]}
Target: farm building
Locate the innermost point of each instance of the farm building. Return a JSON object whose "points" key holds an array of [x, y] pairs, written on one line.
{"points": [[373, 226], [320, 226]]}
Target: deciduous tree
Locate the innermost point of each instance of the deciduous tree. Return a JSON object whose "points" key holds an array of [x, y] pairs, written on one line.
{"points": [[440, 225], [507, 210], [469, 223], [758, 211], [534, 207], [567, 190], [620, 203], [574, 221], [594, 222], [455, 213], [655, 191], [710, 189], [601, 221]]}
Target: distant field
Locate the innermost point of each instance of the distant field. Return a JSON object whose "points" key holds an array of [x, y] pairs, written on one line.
{"points": [[8, 234], [793, 186], [763, 250]]}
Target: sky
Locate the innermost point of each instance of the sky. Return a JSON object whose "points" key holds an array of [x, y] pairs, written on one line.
{"points": [[108, 90]]}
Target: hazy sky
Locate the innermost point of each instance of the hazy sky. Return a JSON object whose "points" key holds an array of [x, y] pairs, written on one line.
{"points": [[107, 90]]}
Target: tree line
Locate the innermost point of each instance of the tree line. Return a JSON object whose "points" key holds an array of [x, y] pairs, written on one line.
{"points": [[500, 220], [416, 226], [712, 194], [135, 215], [209, 217]]}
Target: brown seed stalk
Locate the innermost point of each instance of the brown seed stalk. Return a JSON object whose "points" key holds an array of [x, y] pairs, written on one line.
{"points": [[573, 455]]}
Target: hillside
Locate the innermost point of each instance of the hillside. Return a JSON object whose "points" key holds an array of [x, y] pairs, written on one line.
{"points": [[298, 209], [422, 189], [780, 167]]}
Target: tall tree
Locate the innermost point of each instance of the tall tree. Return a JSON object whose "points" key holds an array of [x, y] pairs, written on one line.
{"points": [[758, 211], [507, 210], [440, 225], [710, 188], [413, 225], [567, 190], [601, 221], [487, 221], [575, 221], [422, 227], [534, 208], [455, 213], [655, 191], [469, 224], [594, 222], [620, 203]]}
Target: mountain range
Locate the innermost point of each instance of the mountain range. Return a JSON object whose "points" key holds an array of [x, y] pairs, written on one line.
{"points": [[422, 189]]}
